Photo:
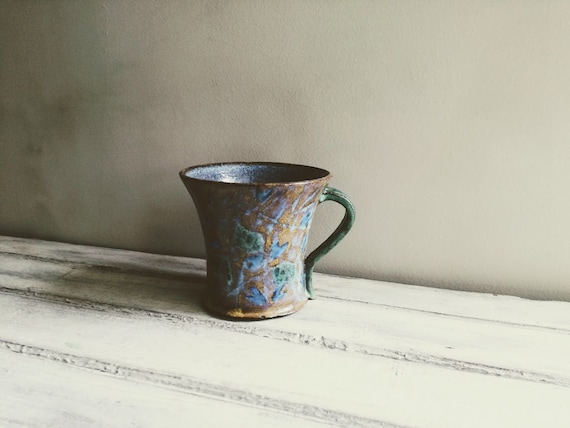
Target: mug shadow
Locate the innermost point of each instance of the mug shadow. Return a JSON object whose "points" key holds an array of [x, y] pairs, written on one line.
{"points": [[156, 289]]}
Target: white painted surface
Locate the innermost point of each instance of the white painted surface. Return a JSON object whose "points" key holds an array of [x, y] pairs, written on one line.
{"points": [[446, 122], [99, 337]]}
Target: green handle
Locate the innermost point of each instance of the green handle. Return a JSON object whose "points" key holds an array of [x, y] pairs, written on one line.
{"points": [[329, 194]]}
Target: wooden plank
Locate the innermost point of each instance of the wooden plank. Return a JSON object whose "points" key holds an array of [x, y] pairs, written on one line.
{"points": [[44, 393], [364, 354], [450, 303], [336, 387], [158, 283], [508, 309], [218, 363]]}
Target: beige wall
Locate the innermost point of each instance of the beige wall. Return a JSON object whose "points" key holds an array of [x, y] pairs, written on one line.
{"points": [[447, 122]]}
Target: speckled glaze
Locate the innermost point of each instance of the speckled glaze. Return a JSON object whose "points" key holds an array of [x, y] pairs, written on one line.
{"points": [[255, 219]]}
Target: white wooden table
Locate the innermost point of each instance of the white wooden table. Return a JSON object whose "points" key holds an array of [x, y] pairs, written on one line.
{"points": [[95, 337]]}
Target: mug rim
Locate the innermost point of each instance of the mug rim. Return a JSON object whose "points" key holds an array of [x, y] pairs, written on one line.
{"points": [[323, 173]]}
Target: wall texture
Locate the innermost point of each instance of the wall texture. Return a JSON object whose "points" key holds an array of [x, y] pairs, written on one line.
{"points": [[447, 123]]}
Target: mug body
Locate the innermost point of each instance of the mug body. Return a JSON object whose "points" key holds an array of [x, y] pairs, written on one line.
{"points": [[255, 218]]}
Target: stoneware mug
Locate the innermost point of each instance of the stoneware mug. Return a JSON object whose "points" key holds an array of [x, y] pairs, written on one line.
{"points": [[255, 218]]}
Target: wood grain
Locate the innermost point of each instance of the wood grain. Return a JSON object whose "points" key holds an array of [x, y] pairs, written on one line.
{"points": [[365, 353]]}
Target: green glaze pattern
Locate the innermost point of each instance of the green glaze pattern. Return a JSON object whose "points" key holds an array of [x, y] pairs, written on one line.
{"points": [[330, 194], [256, 219]]}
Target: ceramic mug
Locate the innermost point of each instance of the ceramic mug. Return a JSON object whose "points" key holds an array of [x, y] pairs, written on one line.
{"points": [[255, 218]]}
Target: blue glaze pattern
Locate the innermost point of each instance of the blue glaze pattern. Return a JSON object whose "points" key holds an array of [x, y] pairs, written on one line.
{"points": [[256, 219]]}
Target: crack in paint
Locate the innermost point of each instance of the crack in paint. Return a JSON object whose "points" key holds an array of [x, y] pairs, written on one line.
{"points": [[194, 386], [321, 342]]}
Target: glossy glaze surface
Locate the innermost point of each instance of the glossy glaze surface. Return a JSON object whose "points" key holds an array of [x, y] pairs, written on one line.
{"points": [[255, 218]]}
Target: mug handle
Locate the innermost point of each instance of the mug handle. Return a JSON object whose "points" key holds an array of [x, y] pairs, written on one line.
{"points": [[329, 194]]}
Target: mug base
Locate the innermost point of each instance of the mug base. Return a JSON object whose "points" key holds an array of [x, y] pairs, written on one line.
{"points": [[247, 314]]}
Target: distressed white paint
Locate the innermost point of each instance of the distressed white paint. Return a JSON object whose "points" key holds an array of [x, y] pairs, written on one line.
{"points": [[92, 336]]}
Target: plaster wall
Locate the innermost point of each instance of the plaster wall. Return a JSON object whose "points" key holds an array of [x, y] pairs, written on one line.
{"points": [[446, 122]]}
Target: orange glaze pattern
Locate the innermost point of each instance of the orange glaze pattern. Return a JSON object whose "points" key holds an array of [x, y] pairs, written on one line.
{"points": [[256, 238]]}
